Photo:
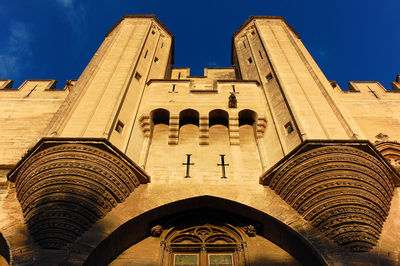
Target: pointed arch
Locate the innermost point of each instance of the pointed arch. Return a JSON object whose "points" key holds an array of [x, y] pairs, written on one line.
{"points": [[247, 117], [4, 249], [160, 116], [188, 116], [218, 117], [138, 228]]}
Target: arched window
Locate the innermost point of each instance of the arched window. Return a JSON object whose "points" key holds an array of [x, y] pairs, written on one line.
{"points": [[218, 117], [160, 116], [247, 117], [203, 245], [188, 116]]}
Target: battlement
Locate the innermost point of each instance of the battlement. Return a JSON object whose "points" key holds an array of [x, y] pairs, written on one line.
{"points": [[369, 89], [396, 84], [34, 88], [212, 73]]}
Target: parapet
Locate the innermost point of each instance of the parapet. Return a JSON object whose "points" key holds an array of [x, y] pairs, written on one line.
{"points": [[214, 73], [396, 84], [149, 17], [368, 89], [253, 18], [34, 88], [6, 83]]}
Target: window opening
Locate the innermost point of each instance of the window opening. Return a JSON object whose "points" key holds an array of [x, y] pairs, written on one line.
{"points": [[138, 76], [203, 245], [179, 75], [186, 259], [153, 32], [155, 59], [288, 128], [162, 45], [220, 259], [268, 77], [119, 127], [250, 60], [145, 54], [173, 89], [261, 56], [244, 44]]}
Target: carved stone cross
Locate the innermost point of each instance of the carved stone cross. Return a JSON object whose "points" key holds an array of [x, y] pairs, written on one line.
{"points": [[188, 164], [223, 164]]}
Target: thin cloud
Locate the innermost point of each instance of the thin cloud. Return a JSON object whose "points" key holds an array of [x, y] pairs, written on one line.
{"points": [[75, 14], [66, 3], [16, 52]]}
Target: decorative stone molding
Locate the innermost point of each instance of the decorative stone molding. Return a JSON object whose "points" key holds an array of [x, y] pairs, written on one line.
{"points": [[173, 133], [250, 230], [65, 185], [344, 188], [391, 151], [261, 125], [145, 124], [204, 130], [234, 136], [156, 230]]}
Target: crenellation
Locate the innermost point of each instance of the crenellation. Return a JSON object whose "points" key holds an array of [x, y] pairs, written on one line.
{"points": [[396, 84], [6, 84]]}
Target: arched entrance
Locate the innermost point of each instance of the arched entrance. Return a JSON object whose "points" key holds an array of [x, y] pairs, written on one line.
{"points": [[138, 228], [4, 252]]}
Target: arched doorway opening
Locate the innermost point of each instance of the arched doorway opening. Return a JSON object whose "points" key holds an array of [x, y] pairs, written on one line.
{"points": [[208, 211], [4, 252]]}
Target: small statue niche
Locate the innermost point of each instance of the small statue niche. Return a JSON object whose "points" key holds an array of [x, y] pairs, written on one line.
{"points": [[232, 101]]}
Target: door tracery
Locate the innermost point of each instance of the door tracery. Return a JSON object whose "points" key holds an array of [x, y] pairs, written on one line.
{"points": [[203, 245]]}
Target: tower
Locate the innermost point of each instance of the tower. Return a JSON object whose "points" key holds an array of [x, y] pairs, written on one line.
{"points": [[138, 162]]}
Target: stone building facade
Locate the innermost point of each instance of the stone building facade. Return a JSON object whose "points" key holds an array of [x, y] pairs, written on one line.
{"points": [[140, 163]]}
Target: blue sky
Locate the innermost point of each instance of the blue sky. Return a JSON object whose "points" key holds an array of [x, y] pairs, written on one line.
{"points": [[55, 39]]}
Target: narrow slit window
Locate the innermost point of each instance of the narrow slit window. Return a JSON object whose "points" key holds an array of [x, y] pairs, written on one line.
{"points": [[288, 128], [261, 56], [244, 44], [179, 75], [162, 45], [155, 59], [138, 76], [145, 54], [153, 32], [268, 77], [119, 127], [250, 60]]}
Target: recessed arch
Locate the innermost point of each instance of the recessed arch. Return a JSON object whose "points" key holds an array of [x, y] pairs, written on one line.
{"points": [[138, 228], [160, 116], [4, 249], [188, 116], [218, 117], [247, 117]]}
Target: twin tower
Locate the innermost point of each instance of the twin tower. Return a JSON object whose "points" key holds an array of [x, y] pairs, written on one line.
{"points": [[269, 139]]}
